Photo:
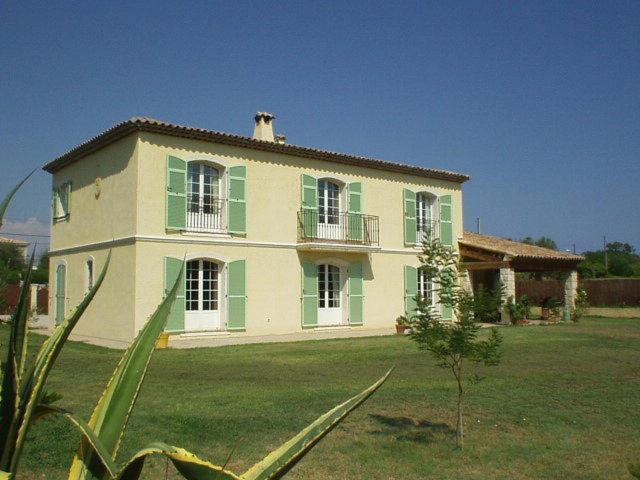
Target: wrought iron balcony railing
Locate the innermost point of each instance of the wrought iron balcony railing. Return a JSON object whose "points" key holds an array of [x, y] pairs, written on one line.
{"points": [[428, 231], [346, 228], [207, 215]]}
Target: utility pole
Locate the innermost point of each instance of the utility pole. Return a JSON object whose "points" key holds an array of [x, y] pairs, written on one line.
{"points": [[478, 225], [606, 259]]}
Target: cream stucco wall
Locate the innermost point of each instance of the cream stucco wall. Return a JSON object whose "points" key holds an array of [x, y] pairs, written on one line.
{"points": [[109, 319], [131, 210]]}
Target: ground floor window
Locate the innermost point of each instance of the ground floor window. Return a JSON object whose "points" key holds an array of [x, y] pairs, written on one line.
{"points": [[425, 287], [202, 285], [328, 286]]}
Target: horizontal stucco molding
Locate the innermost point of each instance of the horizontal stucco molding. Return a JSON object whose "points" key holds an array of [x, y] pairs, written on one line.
{"points": [[198, 240]]}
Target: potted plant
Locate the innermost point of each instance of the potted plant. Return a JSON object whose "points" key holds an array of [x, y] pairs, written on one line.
{"points": [[401, 324]]}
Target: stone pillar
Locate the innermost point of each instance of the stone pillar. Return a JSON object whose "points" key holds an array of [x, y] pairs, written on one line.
{"points": [[570, 294], [508, 279]]}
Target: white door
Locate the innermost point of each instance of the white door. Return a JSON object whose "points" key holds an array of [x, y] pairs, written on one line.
{"points": [[202, 296], [204, 206], [329, 218], [330, 285]]}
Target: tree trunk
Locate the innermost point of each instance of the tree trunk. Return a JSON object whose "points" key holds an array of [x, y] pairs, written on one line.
{"points": [[459, 427]]}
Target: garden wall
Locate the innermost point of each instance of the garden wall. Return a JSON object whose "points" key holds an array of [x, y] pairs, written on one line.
{"points": [[610, 292], [9, 298]]}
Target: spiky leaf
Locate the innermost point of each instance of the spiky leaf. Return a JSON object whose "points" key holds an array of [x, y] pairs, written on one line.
{"points": [[87, 434], [279, 462], [189, 466], [32, 386], [15, 361], [110, 417], [7, 200]]}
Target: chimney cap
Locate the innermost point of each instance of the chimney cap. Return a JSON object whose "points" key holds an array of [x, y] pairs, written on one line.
{"points": [[266, 116]]}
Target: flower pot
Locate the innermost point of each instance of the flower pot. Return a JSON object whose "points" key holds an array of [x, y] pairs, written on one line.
{"points": [[400, 329]]}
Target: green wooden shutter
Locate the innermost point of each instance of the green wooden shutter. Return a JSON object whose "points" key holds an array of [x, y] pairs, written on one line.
{"points": [[238, 200], [356, 294], [54, 203], [172, 266], [61, 292], [309, 294], [355, 227], [237, 295], [65, 198], [409, 199], [176, 193], [309, 219], [446, 224], [410, 290]]}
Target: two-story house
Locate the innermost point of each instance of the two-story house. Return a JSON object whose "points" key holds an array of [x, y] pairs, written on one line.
{"points": [[277, 238]]}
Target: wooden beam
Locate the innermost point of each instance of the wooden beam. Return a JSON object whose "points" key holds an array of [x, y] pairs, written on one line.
{"points": [[485, 265]]}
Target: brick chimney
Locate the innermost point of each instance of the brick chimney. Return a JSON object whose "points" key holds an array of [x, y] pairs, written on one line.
{"points": [[264, 127]]}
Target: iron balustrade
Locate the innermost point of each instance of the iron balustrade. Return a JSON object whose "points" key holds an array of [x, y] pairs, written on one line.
{"points": [[427, 231], [334, 227], [208, 214]]}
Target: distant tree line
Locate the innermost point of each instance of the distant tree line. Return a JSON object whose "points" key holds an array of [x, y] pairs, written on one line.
{"points": [[622, 260]]}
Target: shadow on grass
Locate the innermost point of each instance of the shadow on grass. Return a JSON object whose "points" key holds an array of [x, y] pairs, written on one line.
{"points": [[409, 430]]}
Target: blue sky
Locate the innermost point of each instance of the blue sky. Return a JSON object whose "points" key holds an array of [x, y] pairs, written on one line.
{"points": [[539, 102]]}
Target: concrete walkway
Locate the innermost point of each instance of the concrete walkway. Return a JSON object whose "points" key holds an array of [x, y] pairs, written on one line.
{"points": [[223, 338]]}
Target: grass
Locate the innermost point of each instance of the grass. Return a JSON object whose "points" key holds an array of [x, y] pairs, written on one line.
{"points": [[565, 403]]}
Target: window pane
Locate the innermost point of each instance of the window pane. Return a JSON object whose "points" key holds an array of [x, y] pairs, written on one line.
{"points": [[192, 285]]}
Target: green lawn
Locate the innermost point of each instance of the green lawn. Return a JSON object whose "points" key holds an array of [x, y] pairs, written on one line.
{"points": [[565, 403]]}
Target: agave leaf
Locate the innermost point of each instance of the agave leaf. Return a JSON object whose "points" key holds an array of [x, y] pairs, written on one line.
{"points": [[110, 417], [88, 434], [279, 462], [32, 386], [14, 364], [190, 466], [7, 200]]}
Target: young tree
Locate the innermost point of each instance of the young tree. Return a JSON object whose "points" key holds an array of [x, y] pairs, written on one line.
{"points": [[451, 343]]}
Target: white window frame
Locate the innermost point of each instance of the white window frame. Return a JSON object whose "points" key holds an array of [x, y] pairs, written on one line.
{"points": [[222, 169], [424, 286], [323, 186], [432, 200]]}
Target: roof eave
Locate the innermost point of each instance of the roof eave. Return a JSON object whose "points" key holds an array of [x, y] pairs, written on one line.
{"points": [[141, 125]]}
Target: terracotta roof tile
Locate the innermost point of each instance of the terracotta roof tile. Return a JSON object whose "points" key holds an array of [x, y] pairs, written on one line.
{"points": [[146, 124], [514, 249]]}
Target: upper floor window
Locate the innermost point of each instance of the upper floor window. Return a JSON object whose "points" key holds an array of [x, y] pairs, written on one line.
{"points": [[204, 203], [426, 224], [328, 202], [61, 201], [203, 196]]}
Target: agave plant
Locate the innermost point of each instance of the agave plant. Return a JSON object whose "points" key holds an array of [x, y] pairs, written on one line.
{"points": [[22, 403]]}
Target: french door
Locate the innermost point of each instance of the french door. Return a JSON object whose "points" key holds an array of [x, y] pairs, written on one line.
{"points": [[331, 281], [202, 296], [204, 206], [424, 217], [329, 210]]}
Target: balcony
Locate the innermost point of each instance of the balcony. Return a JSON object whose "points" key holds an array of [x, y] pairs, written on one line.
{"points": [[337, 231], [206, 215]]}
